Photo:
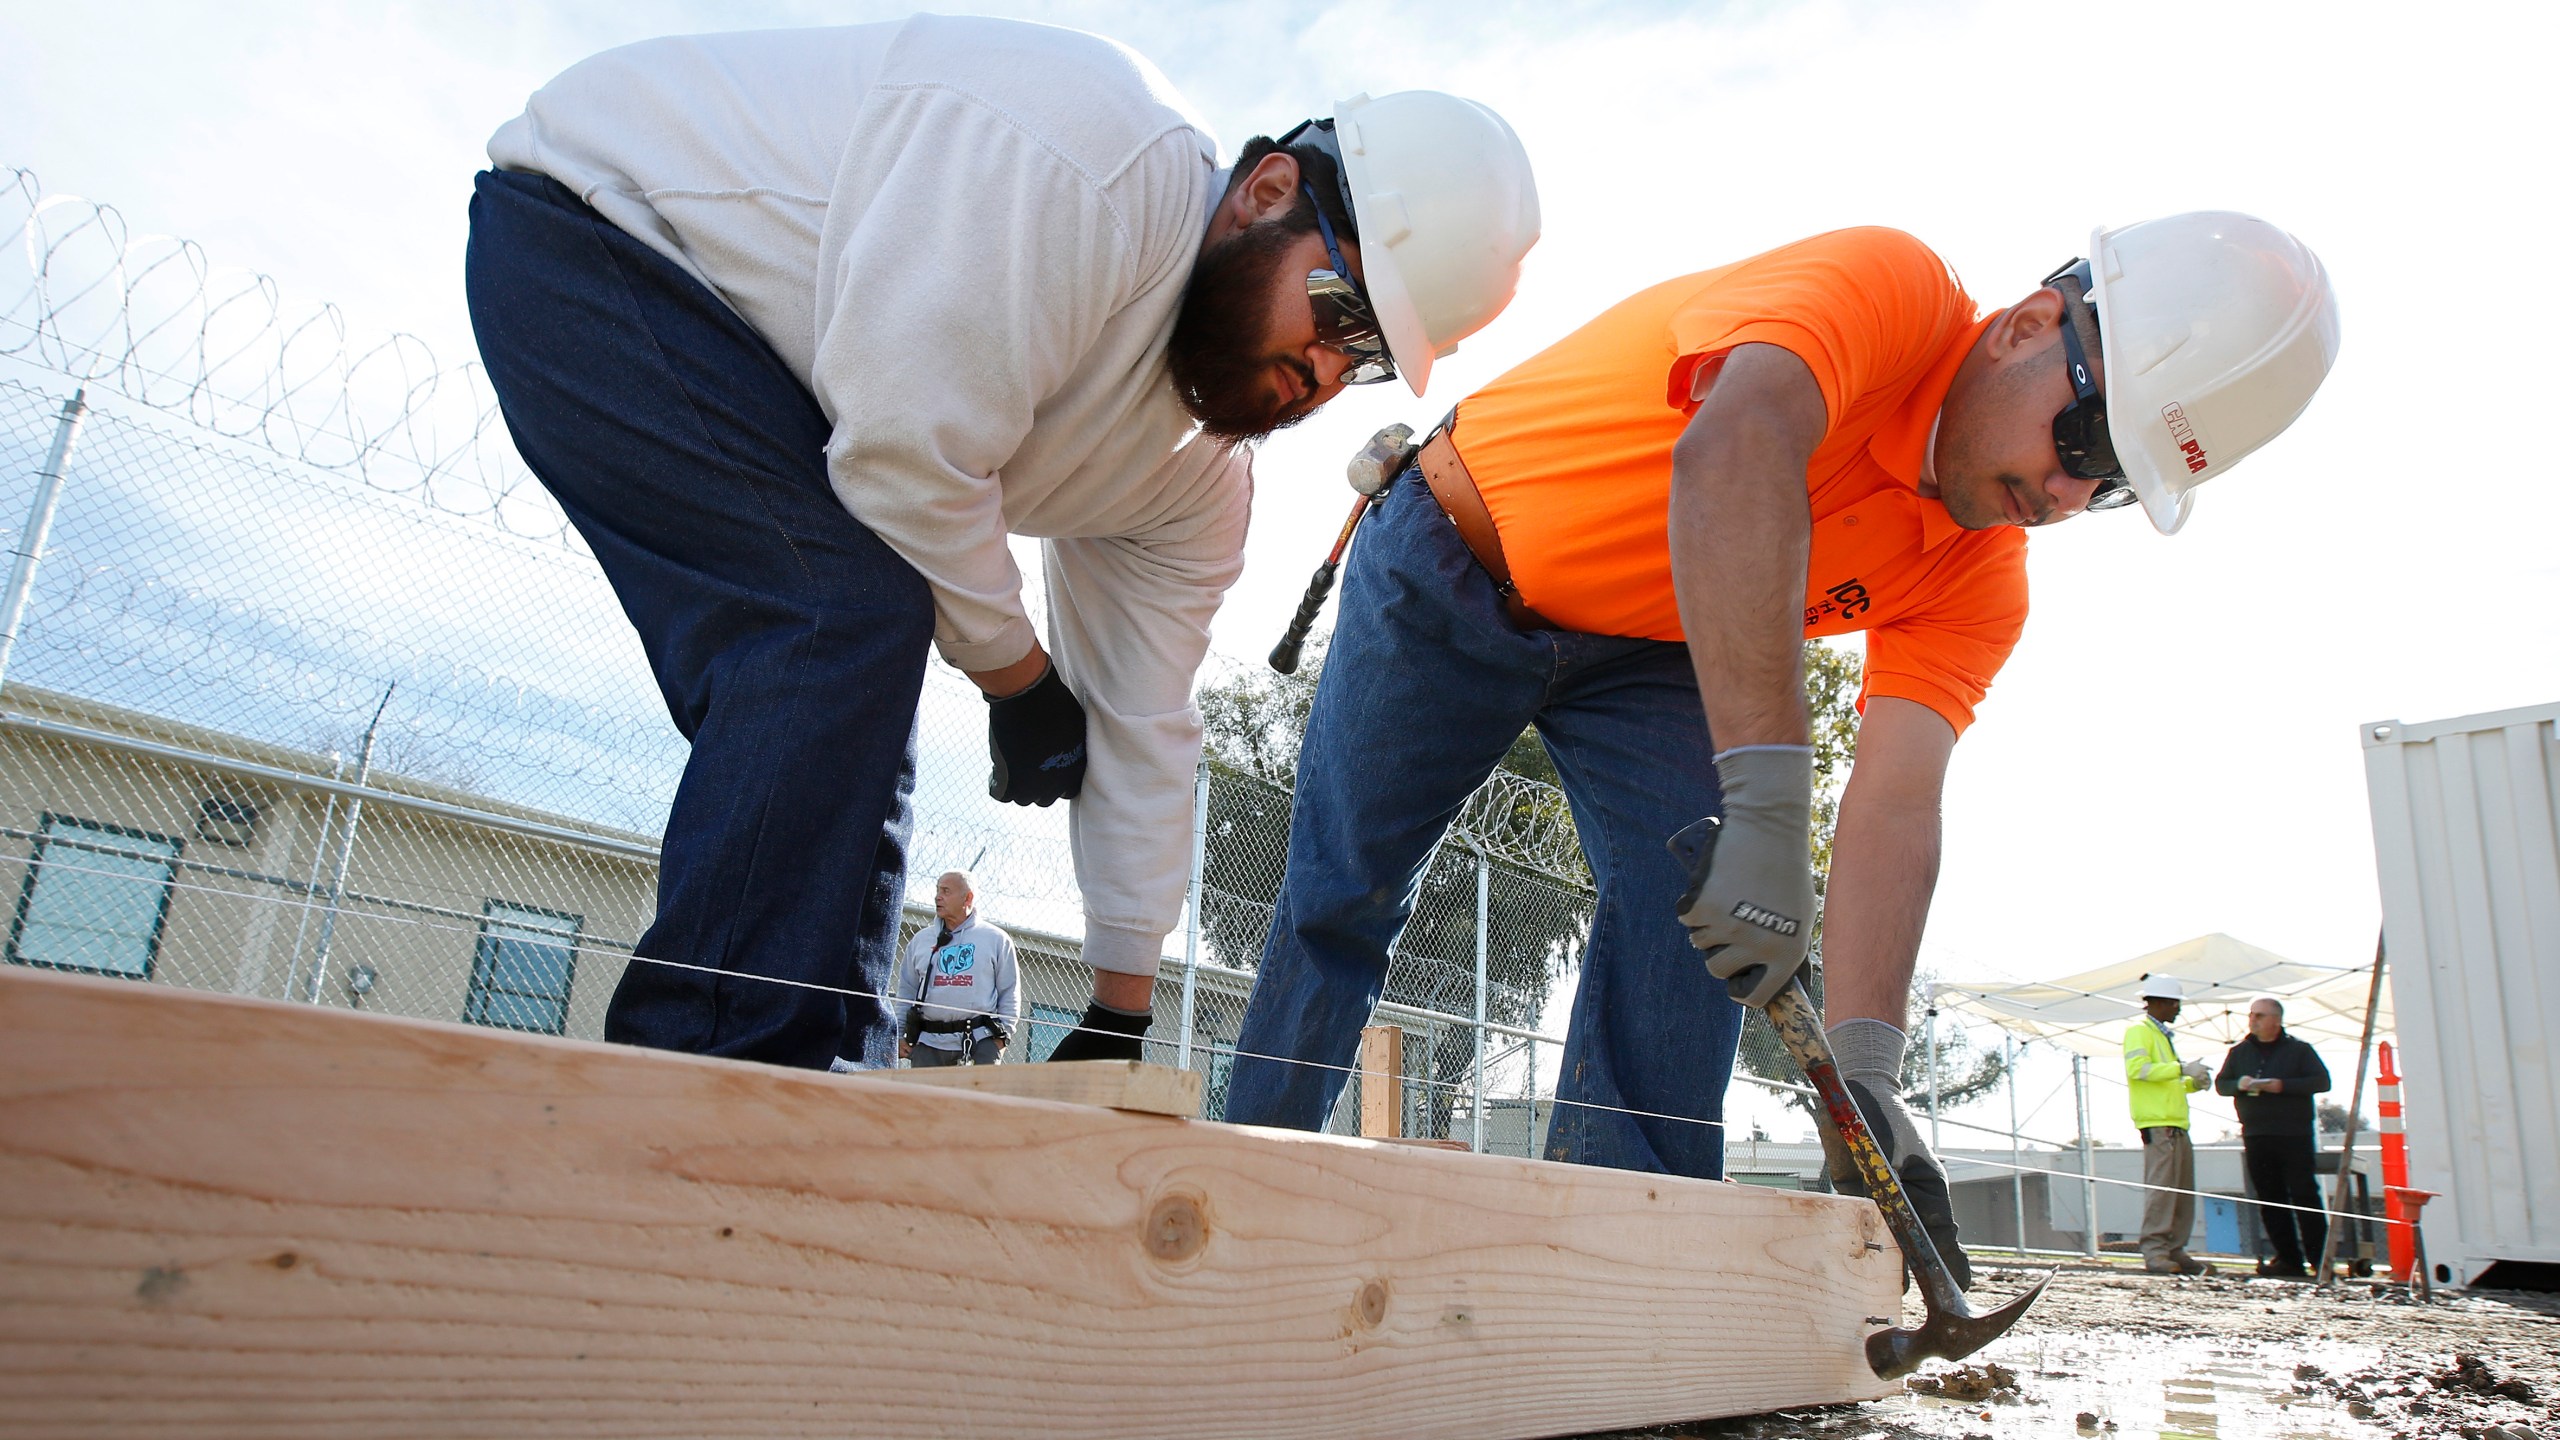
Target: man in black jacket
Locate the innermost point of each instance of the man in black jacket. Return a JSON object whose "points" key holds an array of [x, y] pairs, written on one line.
{"points": [[2272, 1077]]}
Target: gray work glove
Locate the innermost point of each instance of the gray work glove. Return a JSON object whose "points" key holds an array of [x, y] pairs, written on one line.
{"points": [[1924, 1179], [1749, 904]]}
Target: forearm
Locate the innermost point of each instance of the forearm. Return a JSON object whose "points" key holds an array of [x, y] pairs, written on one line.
{"points": [[1131, 624], [1741, 528], [1884, 868], [1739, 543]]}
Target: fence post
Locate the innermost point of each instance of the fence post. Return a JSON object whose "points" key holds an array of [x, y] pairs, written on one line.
{"points": [[1484, 896], [2009, 1048], [31, 540], [2088, 1156], [1930, 1019], [346, 850], [1191, 930]]}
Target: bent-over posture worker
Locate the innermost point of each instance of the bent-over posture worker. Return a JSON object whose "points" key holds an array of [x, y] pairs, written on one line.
{"points": [[1822, 439], [800, 326], [2271, 1077], [2156, 1086], [960, 982]]}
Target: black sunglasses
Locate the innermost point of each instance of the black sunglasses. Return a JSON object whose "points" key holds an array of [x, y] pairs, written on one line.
{"points": [[1345, 320], [2080, 436]]}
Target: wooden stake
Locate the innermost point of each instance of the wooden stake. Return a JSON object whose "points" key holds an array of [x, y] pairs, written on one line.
{"points": [[1382, 1081], [232, 1218]]}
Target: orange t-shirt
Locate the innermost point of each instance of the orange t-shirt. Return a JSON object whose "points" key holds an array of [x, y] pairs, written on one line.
{"points": [[1572, 452]]}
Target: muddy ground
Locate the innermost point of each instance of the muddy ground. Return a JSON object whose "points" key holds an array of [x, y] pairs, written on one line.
{"points": [[2128, 1356]]}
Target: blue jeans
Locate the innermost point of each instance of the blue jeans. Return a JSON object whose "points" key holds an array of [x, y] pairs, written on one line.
{"points": [[788, 640], [1425, 686]]}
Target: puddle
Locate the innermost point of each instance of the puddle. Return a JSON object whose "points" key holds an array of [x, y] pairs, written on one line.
{"points": [[2116, 1356], [2152, 1387]]}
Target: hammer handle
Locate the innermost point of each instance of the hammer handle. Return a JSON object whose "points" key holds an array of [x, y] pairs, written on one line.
{"points": [[1284, 656], [1799, 1028]]}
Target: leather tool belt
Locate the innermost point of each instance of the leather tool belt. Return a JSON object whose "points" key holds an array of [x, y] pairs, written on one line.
{"points": [[1455, 489]]}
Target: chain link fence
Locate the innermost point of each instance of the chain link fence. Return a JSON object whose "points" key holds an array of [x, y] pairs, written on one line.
{"points": [[309, 692]]}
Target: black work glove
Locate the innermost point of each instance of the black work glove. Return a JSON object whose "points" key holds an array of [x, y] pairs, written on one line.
{"points": [[1036, 743]]}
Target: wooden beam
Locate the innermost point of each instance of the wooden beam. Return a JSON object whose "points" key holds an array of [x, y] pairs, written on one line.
{"points": [[233, 1218], [1112, 1084], [1382, 1081]]}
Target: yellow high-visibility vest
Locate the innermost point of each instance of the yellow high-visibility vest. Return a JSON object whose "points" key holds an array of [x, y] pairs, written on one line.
{"points": [[2151, 1072]]}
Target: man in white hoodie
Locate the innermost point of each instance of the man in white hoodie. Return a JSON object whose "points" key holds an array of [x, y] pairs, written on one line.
{"points": [[798, 326], [960, 982]]}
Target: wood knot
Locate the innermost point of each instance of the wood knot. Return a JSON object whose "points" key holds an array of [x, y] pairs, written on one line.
{"points": [[160, 1284], [1369, 1307], [1176, 1230], [284, 1260]]}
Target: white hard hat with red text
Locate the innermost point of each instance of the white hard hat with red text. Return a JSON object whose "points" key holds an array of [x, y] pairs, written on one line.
{"points": [[2216, 329]]}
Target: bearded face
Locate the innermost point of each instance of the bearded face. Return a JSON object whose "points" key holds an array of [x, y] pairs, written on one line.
{"points": [[1233, 363]]}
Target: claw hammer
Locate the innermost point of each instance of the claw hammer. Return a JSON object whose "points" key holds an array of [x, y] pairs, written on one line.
{"points": [[1953, 1329]]}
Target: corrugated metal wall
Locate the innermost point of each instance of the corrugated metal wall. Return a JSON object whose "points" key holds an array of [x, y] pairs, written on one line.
{"points": [[2466, 828]]}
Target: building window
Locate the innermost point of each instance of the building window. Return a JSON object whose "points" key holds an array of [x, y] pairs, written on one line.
{"points": [[1049, 1025], [95, 899], [520, 976]]}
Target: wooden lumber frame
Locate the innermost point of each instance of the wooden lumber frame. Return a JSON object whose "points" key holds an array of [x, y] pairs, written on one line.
{"points": [[1112, 1084], [230, 1217]]}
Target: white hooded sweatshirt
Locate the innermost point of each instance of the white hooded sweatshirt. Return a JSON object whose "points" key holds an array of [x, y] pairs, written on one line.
{"points": [[970, 238]]}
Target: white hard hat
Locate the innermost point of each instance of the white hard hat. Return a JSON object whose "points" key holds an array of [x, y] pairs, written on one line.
{"points": [[2162, 987], [1446, 207], [2216, 329]]}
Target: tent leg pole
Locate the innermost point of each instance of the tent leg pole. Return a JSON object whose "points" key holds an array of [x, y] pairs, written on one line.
{"points": [[2355, 1107], [2017, 1162], [2088, 1156]]}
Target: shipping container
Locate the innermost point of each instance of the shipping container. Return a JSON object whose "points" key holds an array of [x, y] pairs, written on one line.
{"points": [[2466, 838]]}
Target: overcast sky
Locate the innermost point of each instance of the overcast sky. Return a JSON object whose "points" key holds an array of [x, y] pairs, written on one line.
{"points": [[2173, 749]]}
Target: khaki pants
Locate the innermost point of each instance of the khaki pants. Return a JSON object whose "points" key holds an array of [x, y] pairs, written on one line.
{"points": [[2168, 1209]]}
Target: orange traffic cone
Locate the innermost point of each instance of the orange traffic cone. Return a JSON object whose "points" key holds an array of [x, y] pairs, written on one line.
{"points": [[2397, 1213]]}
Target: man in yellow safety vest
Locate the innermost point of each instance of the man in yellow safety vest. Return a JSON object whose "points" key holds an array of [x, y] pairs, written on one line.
{"points": [[2158, 1084]]}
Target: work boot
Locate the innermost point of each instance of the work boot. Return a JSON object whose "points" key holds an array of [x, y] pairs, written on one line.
{"points": [[1924, 1180], [2188, 1264]]}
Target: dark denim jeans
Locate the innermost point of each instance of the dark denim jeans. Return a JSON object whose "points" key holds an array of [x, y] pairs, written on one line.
{"points": [[1424, 688], [788, 640]]}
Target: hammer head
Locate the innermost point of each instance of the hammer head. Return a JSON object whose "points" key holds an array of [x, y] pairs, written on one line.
{"points": [[1951, 1332], [1381, 460]]}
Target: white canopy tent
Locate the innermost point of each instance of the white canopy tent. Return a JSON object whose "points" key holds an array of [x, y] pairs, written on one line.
{"points": [[2088, 1012]]}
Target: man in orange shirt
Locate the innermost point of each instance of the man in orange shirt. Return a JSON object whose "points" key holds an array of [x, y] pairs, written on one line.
{"points": [[1655, 512]]}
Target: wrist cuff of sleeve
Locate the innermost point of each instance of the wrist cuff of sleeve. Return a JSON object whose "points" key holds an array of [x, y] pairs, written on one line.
{"points": [[1121, 949], [1753, 749], [1011, 642], [1868, 1050]]}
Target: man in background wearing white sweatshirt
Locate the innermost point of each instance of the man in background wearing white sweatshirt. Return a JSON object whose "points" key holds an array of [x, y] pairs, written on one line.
{"points": [[960, 981], [798, 326]]}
